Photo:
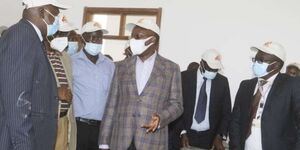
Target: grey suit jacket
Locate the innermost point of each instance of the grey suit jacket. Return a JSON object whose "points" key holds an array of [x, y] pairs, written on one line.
{"points": [[126, 111], [28, 93]]}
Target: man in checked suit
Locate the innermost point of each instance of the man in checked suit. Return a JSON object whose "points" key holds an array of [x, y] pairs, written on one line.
{"points": [[266, 113], [28, 93], [145, 95], [207, 105]]}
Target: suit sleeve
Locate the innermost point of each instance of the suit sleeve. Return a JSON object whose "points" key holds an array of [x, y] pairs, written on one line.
{"points": [[16, 78], [234, 129], [111, 104], [175, 108], [296, 108], [182, 121], [226, 111]]}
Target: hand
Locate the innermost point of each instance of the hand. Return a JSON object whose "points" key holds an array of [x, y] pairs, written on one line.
{"points": [[218, 143], [184, 140], [65, 94], [153, 125]]}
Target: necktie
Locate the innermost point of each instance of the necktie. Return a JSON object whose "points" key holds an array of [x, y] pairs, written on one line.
{"points": [[254, 105], [202, 101]]}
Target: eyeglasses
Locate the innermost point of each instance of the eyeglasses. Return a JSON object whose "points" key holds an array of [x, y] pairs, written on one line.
{"points": [[260, 60]]}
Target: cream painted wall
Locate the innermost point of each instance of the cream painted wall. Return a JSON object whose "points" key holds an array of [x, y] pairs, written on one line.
{"points": [[191, 26]]}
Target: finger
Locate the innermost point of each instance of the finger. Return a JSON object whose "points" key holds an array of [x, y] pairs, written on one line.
{"points": [[146, 126]]}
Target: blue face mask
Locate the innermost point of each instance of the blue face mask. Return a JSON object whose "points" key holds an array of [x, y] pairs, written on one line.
{"points": [[92, 48], [72, 48], [260, 69], [52, 28], [208, 74]]}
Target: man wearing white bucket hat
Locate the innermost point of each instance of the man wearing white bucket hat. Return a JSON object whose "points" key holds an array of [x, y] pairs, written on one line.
{"points": [[293, 69], [207, 105], [92, 75], [266, 113], [145, 95], [28, 97]]}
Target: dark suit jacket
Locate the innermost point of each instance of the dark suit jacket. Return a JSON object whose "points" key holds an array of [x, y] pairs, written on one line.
{"points": [[219, 109], [280, 118], [28, 94]]}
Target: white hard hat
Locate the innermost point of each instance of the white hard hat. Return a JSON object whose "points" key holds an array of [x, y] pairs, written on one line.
{"points": [[272, 48], [144, 23], [92, 27], [212, 58], [37, 3]]}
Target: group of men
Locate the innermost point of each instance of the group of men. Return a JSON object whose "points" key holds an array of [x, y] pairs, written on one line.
{"points": [[57, 96]]}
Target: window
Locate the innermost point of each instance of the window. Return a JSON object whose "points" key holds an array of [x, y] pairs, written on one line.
{"points": [[114, 20]]}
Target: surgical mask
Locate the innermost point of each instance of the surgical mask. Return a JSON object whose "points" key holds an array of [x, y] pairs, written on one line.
{"points": [[72, 48], [208, 74], [260, 69], [93, 48], [52, 28], [138, 46], [59, 43]]}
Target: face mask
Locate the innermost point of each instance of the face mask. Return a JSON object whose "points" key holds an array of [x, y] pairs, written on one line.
{"points": [[208, 74], [138, 46], [260, 70], [52, 28], [59, 43], [92, 48], [72, 48]]}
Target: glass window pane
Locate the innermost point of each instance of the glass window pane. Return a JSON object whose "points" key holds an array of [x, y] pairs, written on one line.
{"points": [[111, 22]]}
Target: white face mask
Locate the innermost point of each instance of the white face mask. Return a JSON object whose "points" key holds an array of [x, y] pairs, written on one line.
{"points": [[138, 46], [59, 43]]}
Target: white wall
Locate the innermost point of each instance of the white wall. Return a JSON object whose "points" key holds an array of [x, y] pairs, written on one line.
{"points": [[191, 26]]}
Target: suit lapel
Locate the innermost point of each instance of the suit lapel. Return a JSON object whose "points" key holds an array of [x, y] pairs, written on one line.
{"points": [[276, 85], [250, 94], [156, 72], [131, 65]]}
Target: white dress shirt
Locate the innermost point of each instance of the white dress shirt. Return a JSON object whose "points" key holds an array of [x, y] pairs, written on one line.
{"points": [[143, 71], [204, 125], [37, 30], [253, 142]]}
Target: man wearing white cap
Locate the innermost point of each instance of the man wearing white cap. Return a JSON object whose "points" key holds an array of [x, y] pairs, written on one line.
{"points": [[28, 97], [266, 113], [92, 75], [293, 69], [207, 105], [145, 95], [61, 62]]}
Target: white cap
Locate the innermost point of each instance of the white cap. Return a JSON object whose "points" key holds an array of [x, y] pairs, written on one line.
{"points": [[144, 23], [92, 27], [64, 25], [212, 58], [38, 3], [272, 48], [297, 65]]}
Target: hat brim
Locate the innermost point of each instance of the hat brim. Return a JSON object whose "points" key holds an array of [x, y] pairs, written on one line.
{"points": [[104, 31], [67, 29], [60, 6], [130, 27]]}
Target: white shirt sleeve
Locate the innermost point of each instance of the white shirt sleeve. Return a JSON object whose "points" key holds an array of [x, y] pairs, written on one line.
{"points": [[103, 147]]}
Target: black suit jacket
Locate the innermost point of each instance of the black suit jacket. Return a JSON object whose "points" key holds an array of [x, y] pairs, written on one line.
{"points": [[219, 109], [280, 119], [28, 94]]}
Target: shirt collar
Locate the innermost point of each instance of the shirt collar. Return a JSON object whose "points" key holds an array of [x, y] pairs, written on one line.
{"points": [[150, 59], [271, 79], [37, 30]]}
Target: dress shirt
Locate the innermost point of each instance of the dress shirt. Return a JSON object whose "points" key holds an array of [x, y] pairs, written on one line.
{"points": [[91, 83]]}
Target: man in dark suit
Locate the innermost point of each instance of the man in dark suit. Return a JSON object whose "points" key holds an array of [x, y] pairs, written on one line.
{"points": [[207, 105], [28, 93], [266, 113]]}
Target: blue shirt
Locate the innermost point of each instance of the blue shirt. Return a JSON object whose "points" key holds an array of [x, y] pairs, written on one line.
{"points": [[91, 84]]}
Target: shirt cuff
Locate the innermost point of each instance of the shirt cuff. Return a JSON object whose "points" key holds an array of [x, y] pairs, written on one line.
{"points": [[103, 146], [183, 132]]}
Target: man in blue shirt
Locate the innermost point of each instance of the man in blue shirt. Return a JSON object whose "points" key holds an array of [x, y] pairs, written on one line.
{"points": [[92, 75]]}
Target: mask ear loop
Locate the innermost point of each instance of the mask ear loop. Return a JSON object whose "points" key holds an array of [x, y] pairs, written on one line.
{"points": [[202, 70], [270, 65]]}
